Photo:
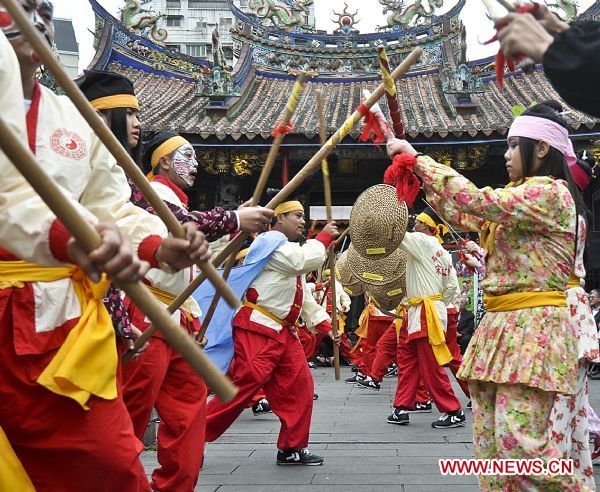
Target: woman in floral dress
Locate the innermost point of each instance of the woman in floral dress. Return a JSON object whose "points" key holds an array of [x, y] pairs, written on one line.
{"points": [[524, 351]]}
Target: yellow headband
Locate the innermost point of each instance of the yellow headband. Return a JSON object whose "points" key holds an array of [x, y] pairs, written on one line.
{"points": [[423, 217], [166, 148], [286, 207], [116, 101], [440, 229]]}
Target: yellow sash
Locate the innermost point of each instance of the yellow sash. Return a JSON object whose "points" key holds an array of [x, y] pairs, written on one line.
{"points": [[363, 321], [524, 300], [86, 363], [167, 298], [435, 331], [341, 322], [268, 314], [400, 311], [12, 474]]}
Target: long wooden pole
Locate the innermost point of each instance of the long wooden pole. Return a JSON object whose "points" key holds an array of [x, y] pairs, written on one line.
{"points": [[330, 252], [391, 93], [280, 133], [304, 173], [123, 158], [89, 239]]}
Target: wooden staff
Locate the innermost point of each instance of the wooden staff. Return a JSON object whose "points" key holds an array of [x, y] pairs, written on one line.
{"points": [[391, 93], [330, 252], [280, 133], [89, 239], [342, 236], [304, 173], [123, 158]]}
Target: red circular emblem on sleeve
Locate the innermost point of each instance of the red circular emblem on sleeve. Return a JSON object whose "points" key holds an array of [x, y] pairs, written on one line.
{"points": [[68, 144], [5, 19]]}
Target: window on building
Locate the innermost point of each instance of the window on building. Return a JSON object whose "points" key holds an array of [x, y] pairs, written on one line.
{"points": [[173, 4], [174, 20], [198, 50], [196, 4], [173, 47]]}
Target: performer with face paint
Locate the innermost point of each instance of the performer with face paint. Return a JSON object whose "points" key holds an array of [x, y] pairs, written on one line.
{"points": [[161, 379], [80, 436]]}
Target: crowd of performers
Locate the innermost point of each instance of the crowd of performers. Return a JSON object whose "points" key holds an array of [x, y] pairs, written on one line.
{"points": [[72, 416]]}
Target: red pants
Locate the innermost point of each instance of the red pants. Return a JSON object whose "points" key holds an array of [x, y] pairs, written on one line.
{"points": [[256, 398], [385, 353], [62, 446], [364, 355], [416, 357], [279, 367], [319, 337], [308, 341], [455, 350], [161, 379]]}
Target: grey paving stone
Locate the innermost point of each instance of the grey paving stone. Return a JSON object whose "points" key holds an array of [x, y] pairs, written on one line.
{"points": [[348, 430]]}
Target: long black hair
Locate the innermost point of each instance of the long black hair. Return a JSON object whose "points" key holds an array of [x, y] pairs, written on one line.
{"points": [[553, 163], [117, 121]]}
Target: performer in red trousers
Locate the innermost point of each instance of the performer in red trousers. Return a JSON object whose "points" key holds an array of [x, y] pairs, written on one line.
{"points": [[160, 378], [323, 291], [372, 325], [386, 351], [431, 285], [267, 352], [452, 343], [61, 408]]}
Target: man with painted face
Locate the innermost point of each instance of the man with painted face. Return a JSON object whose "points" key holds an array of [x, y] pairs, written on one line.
{"points": [[161, 379], [267, 351], [80, 415]]}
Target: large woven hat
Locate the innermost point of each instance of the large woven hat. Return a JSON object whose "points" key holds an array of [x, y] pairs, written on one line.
{"points": [[379, 271], [388, 296], [378, 222], [352, 285]]}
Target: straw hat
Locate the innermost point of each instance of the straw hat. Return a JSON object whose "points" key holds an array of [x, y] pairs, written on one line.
{"points": [[378, 222], [352, 285], [380, 271], [388, 296]]}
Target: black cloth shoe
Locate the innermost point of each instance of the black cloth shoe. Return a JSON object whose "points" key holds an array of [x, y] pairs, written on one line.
{"points": [[470, 405], [358, 377], [315, 396], [399, 416], [450, 419], [261, 407], [421, 408], [311, 364], [353, 367], [298, 457], [368, 383]]}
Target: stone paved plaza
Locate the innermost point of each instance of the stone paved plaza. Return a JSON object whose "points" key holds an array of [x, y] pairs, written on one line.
{"points": [[362, 452]]}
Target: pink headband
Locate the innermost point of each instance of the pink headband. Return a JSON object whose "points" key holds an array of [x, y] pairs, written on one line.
{"points": [[544, 129]]}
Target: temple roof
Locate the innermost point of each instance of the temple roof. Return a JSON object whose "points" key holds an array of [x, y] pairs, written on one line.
{"points": [[440, 99], [170, 103]]}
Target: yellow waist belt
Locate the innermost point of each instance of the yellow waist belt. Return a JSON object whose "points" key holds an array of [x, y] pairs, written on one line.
{"points": [[167, 298], [524, 300], [268, 314], [86, 363], [435, 331], [400, 311]]}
